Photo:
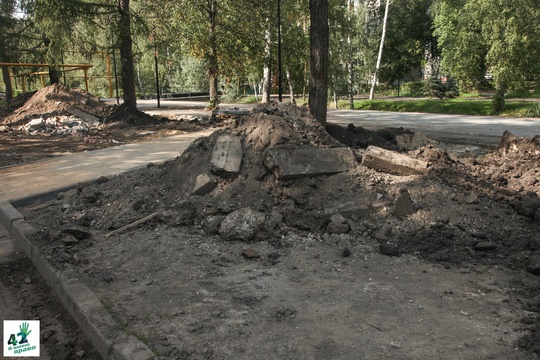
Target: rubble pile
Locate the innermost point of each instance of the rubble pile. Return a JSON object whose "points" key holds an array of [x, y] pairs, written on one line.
{"points": [[59, 125], [277, 170], [276, 176], [54, 100]]}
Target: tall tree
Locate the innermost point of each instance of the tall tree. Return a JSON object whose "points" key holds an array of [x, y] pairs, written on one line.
{"points": [[408, 38], [267, 63], [7, 23], [381, 47], [126, 54], [499, 37], [318, 60]]}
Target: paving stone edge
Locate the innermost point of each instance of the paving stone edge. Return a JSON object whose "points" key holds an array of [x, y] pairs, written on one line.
{"points": [[95, 321]]}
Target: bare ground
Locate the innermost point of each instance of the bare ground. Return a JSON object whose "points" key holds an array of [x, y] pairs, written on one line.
{"points": [[454, 277]]}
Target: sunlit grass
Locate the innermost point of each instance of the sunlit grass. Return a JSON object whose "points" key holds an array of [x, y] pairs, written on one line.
{"points": [[436, 106]]}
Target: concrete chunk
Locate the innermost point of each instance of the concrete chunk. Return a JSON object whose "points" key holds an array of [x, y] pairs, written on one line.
{"points": [[203, 185], [392, 162], [83, 115], [227, 156], [290, 163], [36, 123]]}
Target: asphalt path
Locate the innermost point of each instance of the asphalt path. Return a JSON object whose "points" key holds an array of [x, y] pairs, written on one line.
{"points": [[470, 129], [483, 130]]}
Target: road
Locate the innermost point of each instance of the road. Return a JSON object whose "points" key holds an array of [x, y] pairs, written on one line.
{"points": [[481, 130], [485, 130]]}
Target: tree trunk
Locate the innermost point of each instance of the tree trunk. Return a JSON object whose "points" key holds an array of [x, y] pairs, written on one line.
{"points": [[256, 93], [319, 42], [7, 83], [498, 100], [267, 83], [291, 85], [54, 75], [350, 67], [126, 55], [379, 57], [212, 55]]}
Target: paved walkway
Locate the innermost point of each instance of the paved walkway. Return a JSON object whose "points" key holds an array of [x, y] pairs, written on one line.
{"points": [[44, 176], [486, 130], [24, 181]]}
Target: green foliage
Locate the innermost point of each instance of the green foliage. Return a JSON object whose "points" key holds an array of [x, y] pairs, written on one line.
{"points": [[408, 32], [247, 100], [533, 111], [229, 92], [415, 88], [476, 36], [434, 87]]}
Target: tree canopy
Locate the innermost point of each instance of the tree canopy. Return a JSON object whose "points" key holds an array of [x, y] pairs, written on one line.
{"points": [[230, 47]]}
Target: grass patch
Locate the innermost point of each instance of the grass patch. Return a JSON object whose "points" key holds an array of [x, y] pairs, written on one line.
{"points": [[435, 106], [3, 103], [247, 100]]}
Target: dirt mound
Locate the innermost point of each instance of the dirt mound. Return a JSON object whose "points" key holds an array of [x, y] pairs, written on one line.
{"points": [[57, 121], [53, 100], [358, 200], [123, 115], [15, 103], [459, 212]]}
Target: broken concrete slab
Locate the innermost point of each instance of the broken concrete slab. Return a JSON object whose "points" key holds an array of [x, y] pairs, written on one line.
{"points": [[392, 162], [227, 156], [203, 185], [292, 163], [83, 115], [229, 112]]}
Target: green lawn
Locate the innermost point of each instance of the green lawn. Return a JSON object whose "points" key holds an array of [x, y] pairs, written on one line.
{"points": [[452, 106]]}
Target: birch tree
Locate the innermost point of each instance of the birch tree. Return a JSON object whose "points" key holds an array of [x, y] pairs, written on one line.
{"points": [[379, 56]]}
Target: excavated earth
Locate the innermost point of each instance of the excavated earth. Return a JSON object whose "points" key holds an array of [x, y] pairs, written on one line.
{"points": [[360, 264], [107, 125]]}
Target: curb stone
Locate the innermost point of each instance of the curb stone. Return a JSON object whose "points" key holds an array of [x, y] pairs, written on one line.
{"points": [[82, 304]]}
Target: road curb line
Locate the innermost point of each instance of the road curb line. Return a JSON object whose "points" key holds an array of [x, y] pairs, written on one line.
{"points": [[82, 304]]}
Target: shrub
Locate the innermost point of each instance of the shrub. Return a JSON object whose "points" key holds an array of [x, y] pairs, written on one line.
{"points": [[434, 87], [412, 88]]}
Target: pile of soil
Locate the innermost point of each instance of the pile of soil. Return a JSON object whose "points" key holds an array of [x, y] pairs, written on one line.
{"points": [[460, 213], [117, 125], [50, 101]]}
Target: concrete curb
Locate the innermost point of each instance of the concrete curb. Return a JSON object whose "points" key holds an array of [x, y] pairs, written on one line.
{"points": [[95, 321]]}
